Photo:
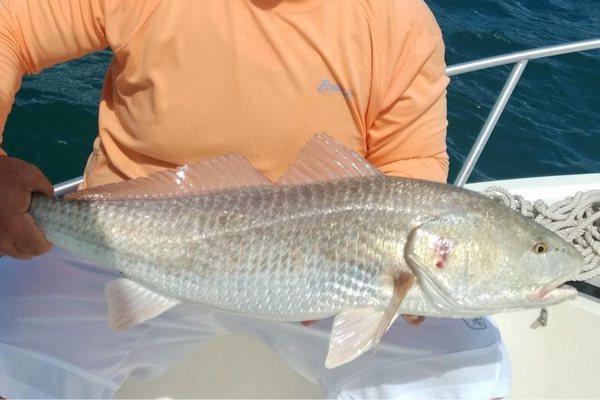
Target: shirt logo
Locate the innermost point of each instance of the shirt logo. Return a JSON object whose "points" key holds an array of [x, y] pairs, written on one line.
{"points": [[476, 324], [327, 87]]}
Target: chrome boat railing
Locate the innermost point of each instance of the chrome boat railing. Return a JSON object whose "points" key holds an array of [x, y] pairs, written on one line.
{"points": [[520, 59], [67, 186]]}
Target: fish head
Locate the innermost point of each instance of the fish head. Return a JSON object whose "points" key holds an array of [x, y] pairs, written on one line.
{"points": [[479, 263]]}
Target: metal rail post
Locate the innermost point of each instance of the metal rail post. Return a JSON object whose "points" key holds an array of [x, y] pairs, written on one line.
{"points": [[490, 123]]}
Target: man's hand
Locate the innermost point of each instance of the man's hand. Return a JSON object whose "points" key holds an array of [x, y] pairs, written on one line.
{"points": [[19, 236]]}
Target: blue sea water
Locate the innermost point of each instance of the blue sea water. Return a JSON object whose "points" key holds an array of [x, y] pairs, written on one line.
{"points": [[551, 125]]}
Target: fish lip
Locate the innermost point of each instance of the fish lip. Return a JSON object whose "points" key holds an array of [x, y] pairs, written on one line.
{"points": [[553, 292]]}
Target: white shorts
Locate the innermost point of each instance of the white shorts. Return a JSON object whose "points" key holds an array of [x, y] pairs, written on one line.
{"points": [[55, 343]]}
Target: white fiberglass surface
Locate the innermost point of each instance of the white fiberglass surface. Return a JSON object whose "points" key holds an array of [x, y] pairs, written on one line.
{"points": [[550, 188]]}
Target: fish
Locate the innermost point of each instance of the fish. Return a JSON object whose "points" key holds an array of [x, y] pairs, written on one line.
{"points": [[333, 237]]}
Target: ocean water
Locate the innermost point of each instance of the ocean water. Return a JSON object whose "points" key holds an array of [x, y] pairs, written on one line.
{"points": [[551, 124]]}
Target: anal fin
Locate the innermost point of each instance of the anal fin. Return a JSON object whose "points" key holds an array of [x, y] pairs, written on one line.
{"points": [[130, 304], [358, 330]]}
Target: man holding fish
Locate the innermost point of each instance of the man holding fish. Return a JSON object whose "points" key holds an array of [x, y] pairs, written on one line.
{"points": [[246, 84]]}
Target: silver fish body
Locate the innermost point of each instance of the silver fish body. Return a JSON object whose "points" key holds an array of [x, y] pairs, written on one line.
{"points": [[309, 251]]}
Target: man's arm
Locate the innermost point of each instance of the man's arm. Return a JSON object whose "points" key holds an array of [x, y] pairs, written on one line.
{"points": [[35, 34], [408, 137]]}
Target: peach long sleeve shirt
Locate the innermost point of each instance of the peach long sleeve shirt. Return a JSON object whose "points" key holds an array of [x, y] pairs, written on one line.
{"points": [[192, 79]]}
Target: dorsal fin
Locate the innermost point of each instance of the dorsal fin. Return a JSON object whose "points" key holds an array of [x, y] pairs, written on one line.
{"points": [[325, 159], [205, 176]]}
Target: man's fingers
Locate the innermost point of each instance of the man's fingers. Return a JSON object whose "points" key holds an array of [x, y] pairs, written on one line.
{"points": [[19, 236], [12, 251], [29, 239], [35, 181], [413, 319]]}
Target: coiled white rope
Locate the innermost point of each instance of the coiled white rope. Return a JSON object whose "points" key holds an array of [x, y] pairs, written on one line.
{"points": [[576, 219]]}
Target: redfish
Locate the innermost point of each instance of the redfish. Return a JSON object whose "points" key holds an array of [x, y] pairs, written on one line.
{"points": [[333, 237]]}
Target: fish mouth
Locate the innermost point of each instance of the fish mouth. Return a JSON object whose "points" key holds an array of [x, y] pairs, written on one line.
{"points": [[552, 293]]}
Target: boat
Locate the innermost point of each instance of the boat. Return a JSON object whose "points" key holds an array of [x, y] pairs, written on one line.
{"points": [[559, 360]]}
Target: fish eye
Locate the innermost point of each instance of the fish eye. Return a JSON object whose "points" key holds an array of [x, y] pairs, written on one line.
{"points": [[540, 248]]}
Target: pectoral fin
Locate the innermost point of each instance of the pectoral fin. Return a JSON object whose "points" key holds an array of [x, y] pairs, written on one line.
{"points": [[130, 304], [357, 330], [402, 285]]}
